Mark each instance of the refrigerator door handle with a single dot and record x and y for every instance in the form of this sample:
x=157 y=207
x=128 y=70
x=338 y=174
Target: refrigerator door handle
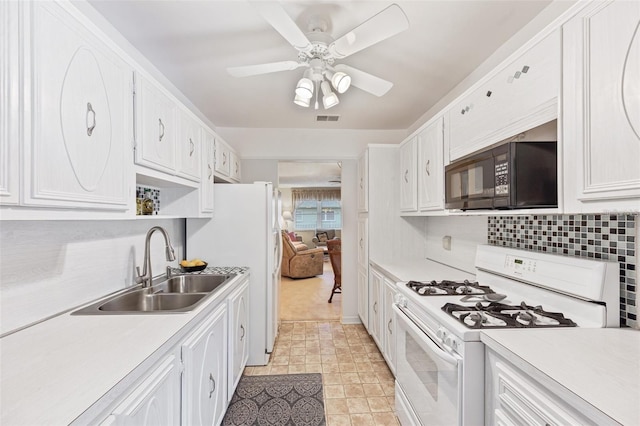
x=278 y=250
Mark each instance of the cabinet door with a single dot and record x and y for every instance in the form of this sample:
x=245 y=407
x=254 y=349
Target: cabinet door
x=234 y=164
x=363 y=245
x=363 y=297
x=9 y=103
x=363 y=182
x=204 y=387
x=389 y=326
x=431 y=167
x=81 y=109
x=155 y=402
x=602 y=108
x=408 y=178
x=222 y=164
x=375 y=307
x=238 y=339
x=156 y=130
x=206 y=181
x=188 y=147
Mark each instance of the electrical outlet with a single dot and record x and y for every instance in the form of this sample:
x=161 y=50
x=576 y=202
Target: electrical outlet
x=446 y=242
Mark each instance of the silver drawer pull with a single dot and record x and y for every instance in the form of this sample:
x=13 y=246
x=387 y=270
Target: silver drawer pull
x=406 y=176
x=242 y=329
x=93 y=118
x=212 y=384
x=161 y=128
x=191 y=147
x=427 y=168
x=389 y=327
x=210 y=170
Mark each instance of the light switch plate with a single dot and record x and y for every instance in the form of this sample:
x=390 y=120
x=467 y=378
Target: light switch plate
x=446 y=242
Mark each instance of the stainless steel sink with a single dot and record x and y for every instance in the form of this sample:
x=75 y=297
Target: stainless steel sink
x=180 y=293
x=192 y=283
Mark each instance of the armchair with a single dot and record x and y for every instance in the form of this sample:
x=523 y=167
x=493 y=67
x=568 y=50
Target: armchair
x=322 y=236
x=300 y=262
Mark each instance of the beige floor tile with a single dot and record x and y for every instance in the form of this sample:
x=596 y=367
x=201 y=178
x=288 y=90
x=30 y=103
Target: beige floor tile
x=298 y=344
x=373 y=389
x=362 y=420
x=364 y=367
x=350 y=378
x=342 y=350
x=297 y=359
x=385 y=419
x=378 y=404
x=313 y=368
x=279 y=360
x=313 y=359
x=279 y=369
x=388 y=387
x=330 y=368
x=332 y=379
x=368 y=377
x=334 y=391
x=330 y=359
x=297 y=337
x=358 y=349
x=361 y=357
x=353 y=391
x=336 y=406
x=358 y=405
x=338 y=420
x=298 y=351
x=347 y=367
x=262 y=370
x=327 y=350
x=297 y=369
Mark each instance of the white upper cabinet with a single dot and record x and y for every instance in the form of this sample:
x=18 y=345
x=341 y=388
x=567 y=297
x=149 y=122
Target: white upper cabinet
x=431 y=167
x=601 y=108
x=363 y=182
x=206 y=183
x=517 y=97
x=222 y=154
x=234 y=164
x=156 y=128
x=9 y=103
x=188 y=146
x=204 y=354
x=408 y=176
x=79 y=134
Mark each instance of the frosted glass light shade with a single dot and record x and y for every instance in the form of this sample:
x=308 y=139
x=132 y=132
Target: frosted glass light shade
x=303 y=102
x=304 y=88
x=329 y=99
x=340 y=81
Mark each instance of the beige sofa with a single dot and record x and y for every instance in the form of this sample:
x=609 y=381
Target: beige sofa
x=298 y=261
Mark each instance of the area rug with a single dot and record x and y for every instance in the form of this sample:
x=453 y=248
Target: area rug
x=284 y=399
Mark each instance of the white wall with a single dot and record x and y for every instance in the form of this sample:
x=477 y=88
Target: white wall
x=47 y=267
x=466 y=233
x=349 y=242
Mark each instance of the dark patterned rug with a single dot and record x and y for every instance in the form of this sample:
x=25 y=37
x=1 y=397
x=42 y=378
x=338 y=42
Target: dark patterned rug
x=286 y=399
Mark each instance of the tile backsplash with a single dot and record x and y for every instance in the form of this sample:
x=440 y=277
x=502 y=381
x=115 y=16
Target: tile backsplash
x=597 y=236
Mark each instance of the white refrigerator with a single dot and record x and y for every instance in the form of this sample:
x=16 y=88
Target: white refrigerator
x=245 y=231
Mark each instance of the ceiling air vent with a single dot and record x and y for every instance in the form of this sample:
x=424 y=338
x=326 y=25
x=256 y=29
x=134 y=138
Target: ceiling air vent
x=327 y=117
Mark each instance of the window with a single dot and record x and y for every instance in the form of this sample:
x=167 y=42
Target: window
x=313 y=214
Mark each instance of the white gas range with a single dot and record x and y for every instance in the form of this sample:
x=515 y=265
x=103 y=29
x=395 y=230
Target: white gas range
x=440 y=359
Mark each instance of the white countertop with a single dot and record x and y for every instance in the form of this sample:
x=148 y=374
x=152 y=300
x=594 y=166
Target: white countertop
x=421 y=270
x=54 y=371
x=601 y=366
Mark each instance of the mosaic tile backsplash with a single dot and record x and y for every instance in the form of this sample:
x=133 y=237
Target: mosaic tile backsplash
x=597 y=236
x=155 y=195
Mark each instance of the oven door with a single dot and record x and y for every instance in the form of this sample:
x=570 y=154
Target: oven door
x=429 y=376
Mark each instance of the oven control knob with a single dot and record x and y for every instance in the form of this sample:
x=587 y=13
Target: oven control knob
x=401 y=301
x=441 y=333
x=451 y=342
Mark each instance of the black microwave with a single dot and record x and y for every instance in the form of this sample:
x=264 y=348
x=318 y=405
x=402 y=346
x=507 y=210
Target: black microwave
x=515 y=175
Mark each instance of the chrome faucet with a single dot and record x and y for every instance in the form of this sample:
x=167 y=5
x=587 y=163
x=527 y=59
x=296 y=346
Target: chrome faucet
x=146 y=276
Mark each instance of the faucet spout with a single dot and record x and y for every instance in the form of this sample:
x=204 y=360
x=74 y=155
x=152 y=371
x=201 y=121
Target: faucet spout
x=146 y=276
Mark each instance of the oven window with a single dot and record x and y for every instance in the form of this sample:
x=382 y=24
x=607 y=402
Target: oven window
x=423 y=366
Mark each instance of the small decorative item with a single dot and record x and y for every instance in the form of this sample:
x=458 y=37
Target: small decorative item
x=147 y=203
x=138 y=206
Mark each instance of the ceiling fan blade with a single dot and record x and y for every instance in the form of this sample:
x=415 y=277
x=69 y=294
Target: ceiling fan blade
x=249 y=70
x=365 y=81
x=389 y=22
x=275 y=15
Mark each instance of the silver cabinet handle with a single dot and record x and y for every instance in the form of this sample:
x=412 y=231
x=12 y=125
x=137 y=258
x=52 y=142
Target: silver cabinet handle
x=224 y=158
x=242 y=329
x=361 y=243
x=161 y=129
x=212 y=385
x=427 y=168
x=93 y=119
x=191 y=147
x=210 y=170
x=406 y=176
x=237 y=167
x=361 y=185
x=389 y=326
x=375 y=307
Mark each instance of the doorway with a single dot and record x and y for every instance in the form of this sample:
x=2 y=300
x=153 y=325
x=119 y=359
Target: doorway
x=311 y=201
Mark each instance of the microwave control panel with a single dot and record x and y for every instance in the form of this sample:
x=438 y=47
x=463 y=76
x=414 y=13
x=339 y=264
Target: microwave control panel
x=502 y=178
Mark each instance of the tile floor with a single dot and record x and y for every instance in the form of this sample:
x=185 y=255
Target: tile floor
x=358 y=385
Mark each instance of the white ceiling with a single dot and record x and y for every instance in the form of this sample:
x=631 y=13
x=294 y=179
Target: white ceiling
x=292 y=174
x=193 y=42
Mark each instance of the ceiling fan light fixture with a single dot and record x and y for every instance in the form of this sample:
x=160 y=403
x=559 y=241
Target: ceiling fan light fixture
x=329 y=99
x=340 y=81
x=304 y=88
x=303 y=102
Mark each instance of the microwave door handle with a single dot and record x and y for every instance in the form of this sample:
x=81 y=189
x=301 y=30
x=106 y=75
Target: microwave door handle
x=437 y=350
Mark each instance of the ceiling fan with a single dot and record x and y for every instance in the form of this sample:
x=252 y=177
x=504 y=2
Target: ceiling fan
x=318 y=52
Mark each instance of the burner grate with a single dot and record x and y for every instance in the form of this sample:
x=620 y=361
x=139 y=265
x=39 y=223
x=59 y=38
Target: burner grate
x=448 y=288
x=499 y=315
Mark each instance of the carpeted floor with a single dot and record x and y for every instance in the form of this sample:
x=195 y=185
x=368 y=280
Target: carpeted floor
x=285 y=399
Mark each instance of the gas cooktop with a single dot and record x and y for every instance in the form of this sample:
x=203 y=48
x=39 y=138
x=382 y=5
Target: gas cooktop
x=448 y=288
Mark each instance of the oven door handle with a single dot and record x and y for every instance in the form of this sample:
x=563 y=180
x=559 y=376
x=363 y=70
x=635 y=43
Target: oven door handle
x=414 y=325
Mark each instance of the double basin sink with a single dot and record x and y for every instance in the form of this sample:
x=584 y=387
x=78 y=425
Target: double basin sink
x=180 y=293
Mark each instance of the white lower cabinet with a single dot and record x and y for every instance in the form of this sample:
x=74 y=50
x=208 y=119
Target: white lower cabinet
x=363 y=297
x=376 y=281
x=156 y=401
x=204 y=386
x=388 y=323
x=512 y=397
x=238 y=339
